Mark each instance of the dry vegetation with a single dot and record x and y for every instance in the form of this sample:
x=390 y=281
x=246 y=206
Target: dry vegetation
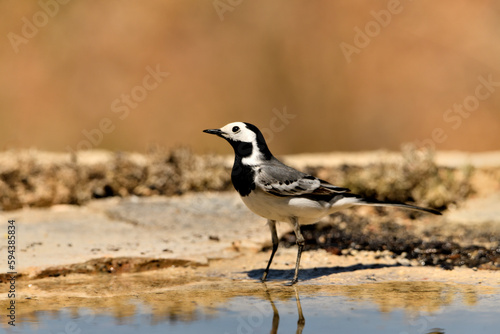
x=417 y=179
x=29 y=179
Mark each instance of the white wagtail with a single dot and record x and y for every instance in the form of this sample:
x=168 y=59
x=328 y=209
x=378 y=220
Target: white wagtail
x=278 y=192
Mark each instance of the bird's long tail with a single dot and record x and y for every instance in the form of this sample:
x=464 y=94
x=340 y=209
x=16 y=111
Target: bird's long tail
x=354 y=199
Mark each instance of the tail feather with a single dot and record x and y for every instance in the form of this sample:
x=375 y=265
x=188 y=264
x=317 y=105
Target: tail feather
x=372 y=202
x=401 y=205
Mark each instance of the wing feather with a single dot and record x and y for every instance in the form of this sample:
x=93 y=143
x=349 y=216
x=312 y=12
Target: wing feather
x=278 y=179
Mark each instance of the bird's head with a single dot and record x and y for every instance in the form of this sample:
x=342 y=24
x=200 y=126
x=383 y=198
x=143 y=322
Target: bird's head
x=245 y=138
x=236 y=132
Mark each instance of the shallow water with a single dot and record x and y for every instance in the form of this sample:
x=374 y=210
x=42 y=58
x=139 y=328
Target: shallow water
x=250 y=307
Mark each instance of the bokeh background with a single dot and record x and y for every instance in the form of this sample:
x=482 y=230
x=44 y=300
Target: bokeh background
x=63 y=65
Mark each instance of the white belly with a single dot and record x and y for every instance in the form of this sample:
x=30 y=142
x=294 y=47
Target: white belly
x=282 y=208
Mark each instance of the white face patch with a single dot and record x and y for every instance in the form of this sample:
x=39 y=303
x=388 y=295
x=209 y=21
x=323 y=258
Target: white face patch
x=238 y=131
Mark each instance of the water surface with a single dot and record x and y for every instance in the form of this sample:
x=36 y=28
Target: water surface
x=250 y=307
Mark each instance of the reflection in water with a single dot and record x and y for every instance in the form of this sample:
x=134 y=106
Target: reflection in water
x=127 y=297
x=276 y=317
x=301 y=322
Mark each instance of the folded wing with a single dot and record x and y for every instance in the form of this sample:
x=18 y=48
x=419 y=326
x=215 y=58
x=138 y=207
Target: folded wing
x=280 y=180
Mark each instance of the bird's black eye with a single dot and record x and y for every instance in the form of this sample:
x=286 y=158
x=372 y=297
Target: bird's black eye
x=236 y=128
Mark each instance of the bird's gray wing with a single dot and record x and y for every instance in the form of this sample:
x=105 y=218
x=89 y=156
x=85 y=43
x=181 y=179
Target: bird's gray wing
x=279 y=179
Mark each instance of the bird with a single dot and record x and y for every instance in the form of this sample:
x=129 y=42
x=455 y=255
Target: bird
x=280 y=193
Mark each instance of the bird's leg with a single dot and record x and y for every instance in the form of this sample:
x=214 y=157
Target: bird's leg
x=274 y=236
x=300 y=243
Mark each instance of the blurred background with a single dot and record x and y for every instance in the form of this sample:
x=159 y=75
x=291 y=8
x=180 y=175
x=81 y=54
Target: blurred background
x=316 y=76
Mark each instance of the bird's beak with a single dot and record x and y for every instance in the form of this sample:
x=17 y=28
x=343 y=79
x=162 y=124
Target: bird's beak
x=217 y=132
